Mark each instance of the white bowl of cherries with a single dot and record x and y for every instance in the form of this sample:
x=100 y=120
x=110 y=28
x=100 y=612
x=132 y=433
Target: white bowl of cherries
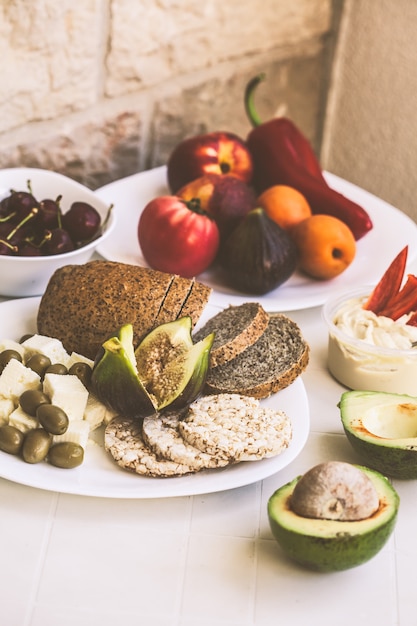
x=47 y=220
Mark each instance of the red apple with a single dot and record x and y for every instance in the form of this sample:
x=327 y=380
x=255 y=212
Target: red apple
x=227 y=198
x=211 y=153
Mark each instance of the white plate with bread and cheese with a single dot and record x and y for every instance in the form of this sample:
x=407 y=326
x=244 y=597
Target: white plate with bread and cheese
x=100 y=476
x=392 y=230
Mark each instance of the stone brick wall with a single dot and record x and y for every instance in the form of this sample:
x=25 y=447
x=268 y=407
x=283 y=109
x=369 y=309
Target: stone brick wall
x=101 y=89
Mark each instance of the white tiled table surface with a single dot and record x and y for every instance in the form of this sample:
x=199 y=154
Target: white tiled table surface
x=207 y=560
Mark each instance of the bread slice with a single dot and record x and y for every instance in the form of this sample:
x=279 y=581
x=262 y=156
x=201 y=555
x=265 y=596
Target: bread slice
x=84 y=304
x=236 y=328
x=195 y=302
x=173 y=302
x=272 y=363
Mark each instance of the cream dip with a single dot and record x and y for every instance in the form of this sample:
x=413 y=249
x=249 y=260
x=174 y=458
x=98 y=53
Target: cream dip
x=367 y=351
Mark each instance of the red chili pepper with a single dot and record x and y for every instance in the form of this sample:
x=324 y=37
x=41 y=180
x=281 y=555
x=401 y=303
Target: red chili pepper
x=404 y=302
x=283 y=156
x=412 y=321
x=389 y=285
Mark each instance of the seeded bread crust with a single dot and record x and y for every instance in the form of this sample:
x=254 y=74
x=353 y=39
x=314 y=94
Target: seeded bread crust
x=272 y=363
x=236 y=328
x=83 y=304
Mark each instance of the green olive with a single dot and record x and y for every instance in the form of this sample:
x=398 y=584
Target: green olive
x=83 y=371
x=31 y=399
x=8 y=355
x=52 y=418
x=57 y=368
x=11 y=439
x=38 y=363
x=36 y=445
x=66 y=455
x=25 y=337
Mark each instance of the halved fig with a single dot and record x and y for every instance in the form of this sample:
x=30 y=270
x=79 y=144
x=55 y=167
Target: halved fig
x=166 y=368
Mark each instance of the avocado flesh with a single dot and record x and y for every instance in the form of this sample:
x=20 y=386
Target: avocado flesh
x=382 y=429
x=331 y=545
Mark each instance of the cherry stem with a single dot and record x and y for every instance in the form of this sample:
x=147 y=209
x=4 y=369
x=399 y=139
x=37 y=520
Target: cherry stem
x=28 y=217
x=9 y=245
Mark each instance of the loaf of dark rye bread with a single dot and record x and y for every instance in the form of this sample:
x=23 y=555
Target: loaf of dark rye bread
x=272 y=363
x=84 y=304
x=235 y=329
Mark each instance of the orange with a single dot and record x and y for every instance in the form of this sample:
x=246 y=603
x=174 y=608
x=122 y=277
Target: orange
x=285 y=205
x=326 y=246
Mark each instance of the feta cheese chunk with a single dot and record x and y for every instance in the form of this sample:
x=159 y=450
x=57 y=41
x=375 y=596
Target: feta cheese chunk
x=77 y=432
x=96 y=413
x=17 y=378
x=10 y=344
x=22 y=421
x=7 y=406
x=50 y=347
x=68 y=393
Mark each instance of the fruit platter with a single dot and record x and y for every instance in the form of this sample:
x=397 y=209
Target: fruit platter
x=392 y=229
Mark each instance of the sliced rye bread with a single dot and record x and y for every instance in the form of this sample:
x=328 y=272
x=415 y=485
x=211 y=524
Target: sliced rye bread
x=236 y=329
x=84 y=304
x=272 y=363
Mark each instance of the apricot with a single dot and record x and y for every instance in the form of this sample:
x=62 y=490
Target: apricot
x=285 y=205
x=325 y=245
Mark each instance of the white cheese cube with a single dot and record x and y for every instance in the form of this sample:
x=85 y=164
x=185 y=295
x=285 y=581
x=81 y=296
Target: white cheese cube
x=74 y=357
x=50 y=347
x=96 y=413
x=77 y=432
x=22 y=421
x=10 y=344
x=7 y=406
x=16 y=378
x=67 y=392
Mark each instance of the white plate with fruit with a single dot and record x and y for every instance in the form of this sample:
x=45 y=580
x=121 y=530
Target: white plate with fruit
x=392 y=230
x=100 y=476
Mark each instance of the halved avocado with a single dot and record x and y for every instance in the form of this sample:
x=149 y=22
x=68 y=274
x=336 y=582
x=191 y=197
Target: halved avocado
x=166 y=369
x=331 y=545
x=382 y=428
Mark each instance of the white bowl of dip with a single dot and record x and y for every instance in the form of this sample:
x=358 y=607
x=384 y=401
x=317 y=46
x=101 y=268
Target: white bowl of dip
x=367 y=352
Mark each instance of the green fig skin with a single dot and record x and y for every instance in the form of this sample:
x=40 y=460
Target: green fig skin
x=329 y=545
x=115 y=380
x=195 y=385
x=258 y=256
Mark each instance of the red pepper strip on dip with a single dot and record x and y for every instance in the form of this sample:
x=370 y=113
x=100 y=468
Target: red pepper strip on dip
x=389 y=285
x=283 y=156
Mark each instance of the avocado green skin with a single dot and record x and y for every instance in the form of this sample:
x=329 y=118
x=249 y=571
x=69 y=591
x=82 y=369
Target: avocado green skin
x=338 y=551
x=391 y=457
x=394 y=462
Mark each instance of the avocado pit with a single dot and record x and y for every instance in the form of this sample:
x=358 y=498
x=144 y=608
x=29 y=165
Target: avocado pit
x=335 y=491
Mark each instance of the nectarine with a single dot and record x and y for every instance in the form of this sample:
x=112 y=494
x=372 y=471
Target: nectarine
x=226 y=198
x=325 y=245
x=211 y=153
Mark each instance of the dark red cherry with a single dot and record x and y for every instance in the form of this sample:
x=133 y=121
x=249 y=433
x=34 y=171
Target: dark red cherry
x=58 y=243
x=50 y=213
x=21 y=203
x=82 y=221
x=28 y=248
